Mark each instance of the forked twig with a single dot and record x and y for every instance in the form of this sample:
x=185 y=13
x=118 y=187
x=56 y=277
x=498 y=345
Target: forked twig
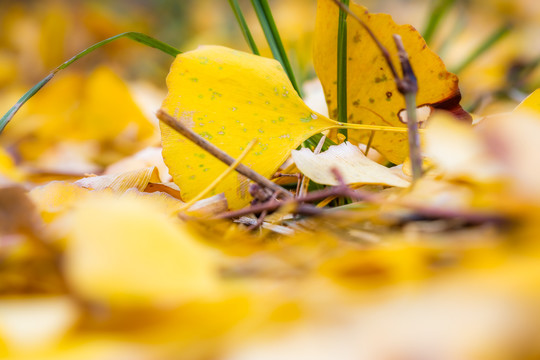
x=220 y=155
x=300 y=204
x=407 y=86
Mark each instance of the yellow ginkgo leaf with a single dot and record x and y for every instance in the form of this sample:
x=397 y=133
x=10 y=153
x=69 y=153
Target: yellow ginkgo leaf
x=135 y=179
x=459 y=151
x=229 y=98
x=97 y=110
x=127 y=251
x=35 y=323
x=350 y=161
x=8 y=170
x=372 y=96
x=530 y=104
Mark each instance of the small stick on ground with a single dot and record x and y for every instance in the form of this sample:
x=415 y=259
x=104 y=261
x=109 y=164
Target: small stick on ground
x=301 y=206
x=220 y=155
x=298 y=177
x=408 y=87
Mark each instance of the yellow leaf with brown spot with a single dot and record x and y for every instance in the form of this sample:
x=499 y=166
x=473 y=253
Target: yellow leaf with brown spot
x=229 y=98
x=372 y=96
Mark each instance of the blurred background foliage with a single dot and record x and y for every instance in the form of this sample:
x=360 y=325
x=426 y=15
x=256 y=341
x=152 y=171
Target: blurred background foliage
x=36 y=36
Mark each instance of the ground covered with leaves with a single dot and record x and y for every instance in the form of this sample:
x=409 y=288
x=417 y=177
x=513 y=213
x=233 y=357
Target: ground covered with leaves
x=242 y=223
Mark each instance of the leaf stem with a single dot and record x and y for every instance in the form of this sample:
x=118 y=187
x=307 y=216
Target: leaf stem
x=135 y=36
x=367 y=127
x=262 y=9
x=243 y=26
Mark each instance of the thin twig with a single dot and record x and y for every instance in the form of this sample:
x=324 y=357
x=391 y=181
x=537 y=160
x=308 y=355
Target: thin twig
x=370 y=141
x=220 y=178
x=299 y=202
x=408 y=87
x=219 y=154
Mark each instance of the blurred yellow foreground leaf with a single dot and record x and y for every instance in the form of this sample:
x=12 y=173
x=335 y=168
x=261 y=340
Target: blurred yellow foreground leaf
x=126 y=251
x=98 y=110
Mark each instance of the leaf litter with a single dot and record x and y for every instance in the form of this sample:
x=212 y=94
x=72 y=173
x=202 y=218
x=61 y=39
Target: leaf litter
x=113 y=265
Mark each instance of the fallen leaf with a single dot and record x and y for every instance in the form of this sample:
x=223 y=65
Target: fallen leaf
x=8 y=170
x=32 y=324
x=512 y=141
x=127 y=251
x=229 y=98
x=150 y=156
x=372 y=95
x=459 y=151
x=119 y=183
x=55 y=198
x=97 y=109
x=530 y=104
x=351 y=163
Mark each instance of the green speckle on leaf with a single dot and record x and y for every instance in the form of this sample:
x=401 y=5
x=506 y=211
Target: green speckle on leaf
x=207 y=135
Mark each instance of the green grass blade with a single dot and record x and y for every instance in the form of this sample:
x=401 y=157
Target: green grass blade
x=485 y=46
x=342 y=68
x=457 y=29
x=438 y=11
x=243 y=26
x=313 y=141
x=262 y=9
x=138 y=37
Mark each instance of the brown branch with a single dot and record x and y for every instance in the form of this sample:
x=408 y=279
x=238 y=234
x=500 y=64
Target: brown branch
x=219 y=154
x=408 y=87
x=300 y=206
